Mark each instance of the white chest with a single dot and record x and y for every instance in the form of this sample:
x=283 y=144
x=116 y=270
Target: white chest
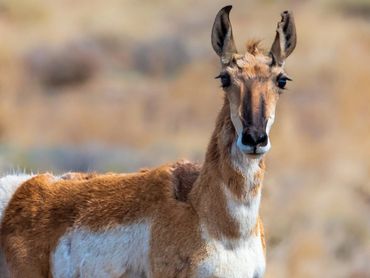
x=247 y=260
x=244 y=258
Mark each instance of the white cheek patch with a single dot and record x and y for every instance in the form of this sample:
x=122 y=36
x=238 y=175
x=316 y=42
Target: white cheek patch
x=269 y=124
x=235 y=119
x=237 y=124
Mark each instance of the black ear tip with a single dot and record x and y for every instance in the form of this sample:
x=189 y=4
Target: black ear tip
x=227 y=9
x=285 y=13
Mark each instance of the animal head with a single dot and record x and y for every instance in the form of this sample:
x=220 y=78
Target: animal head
x=253 y=81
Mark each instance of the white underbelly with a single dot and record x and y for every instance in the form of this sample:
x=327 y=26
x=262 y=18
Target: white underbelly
x=244 y=260
x=121 y=251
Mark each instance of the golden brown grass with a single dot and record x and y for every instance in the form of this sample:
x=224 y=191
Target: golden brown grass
x=317 y=190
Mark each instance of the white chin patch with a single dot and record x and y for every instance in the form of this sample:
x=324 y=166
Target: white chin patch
x=252 y=150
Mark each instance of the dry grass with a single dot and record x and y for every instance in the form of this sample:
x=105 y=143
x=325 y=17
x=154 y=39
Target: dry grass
x=317 y=191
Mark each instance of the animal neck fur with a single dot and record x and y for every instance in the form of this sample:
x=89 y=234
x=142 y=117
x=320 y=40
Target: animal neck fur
x=227 y=193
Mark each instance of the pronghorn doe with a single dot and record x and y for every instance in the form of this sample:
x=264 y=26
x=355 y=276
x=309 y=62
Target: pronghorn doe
x=172 y=221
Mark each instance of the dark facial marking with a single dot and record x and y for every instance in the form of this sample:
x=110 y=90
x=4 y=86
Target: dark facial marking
x=253 y=115
x=247 y=110
x=262 y=110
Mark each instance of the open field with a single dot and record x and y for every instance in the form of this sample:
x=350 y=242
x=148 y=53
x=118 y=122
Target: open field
x=118 y=85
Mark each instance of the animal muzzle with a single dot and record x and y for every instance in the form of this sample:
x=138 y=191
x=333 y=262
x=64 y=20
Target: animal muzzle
x=253 y=141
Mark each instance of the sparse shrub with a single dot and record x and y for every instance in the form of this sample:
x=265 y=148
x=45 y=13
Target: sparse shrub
x=70 y=64
x=358 y=8
x=164 y=56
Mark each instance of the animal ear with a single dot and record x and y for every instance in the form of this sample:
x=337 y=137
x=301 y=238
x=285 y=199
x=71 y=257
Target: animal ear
x=222 y=34
x=285 y=39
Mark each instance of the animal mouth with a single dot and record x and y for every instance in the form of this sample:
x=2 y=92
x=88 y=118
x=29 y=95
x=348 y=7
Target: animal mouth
x=255 y=153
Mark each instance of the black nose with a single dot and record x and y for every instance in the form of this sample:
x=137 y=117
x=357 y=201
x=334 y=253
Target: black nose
x=254 y=138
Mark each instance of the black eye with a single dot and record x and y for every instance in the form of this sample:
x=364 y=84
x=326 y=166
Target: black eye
x=225 y=79
x=281 y=81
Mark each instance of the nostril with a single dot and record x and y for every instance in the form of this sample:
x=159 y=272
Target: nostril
x=248 y=139
x=254 y=138
x=262 y=139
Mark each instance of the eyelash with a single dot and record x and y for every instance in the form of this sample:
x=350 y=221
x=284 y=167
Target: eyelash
x=281 y=81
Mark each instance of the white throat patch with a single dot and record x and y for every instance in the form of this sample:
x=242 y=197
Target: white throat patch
x=247 y=167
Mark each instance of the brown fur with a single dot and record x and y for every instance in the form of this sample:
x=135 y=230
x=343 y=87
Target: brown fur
x=78 y=176
x=42 y=209
x=185 y=174
x=216 y=173
x=254 y=47
x=176 y=198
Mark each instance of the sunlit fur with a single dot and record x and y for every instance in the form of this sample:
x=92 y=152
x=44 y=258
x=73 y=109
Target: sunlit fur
x=176 y=220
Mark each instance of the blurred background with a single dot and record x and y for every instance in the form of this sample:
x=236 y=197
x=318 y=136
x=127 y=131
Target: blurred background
x=117 y=85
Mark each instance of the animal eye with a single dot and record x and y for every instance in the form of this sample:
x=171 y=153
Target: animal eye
x=225 y=79
x=281 y=81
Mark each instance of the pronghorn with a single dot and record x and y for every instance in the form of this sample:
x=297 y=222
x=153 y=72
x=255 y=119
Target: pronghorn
x=176 y=220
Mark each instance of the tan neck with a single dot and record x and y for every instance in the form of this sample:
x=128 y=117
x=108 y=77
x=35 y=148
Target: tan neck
x=228 y=181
